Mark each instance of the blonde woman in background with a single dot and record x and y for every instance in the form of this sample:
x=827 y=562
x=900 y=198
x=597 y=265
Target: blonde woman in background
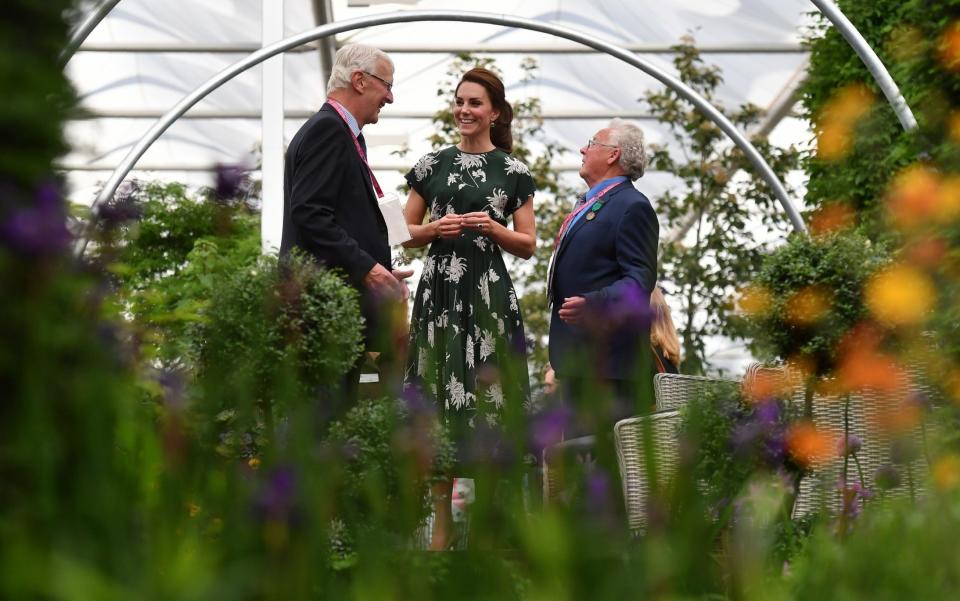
x=663 y=335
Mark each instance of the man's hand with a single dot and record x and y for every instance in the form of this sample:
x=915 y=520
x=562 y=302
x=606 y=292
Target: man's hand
x=383 y=284
x=573 y=310
x=400 y=275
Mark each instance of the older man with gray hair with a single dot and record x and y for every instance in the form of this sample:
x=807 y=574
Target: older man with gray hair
x=603 y=270
x=330 y=207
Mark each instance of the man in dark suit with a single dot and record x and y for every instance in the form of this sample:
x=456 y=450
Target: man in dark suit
x=603 y=270
x=330 y=195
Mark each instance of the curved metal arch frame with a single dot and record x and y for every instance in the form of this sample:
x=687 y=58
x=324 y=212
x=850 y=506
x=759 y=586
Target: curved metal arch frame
x=267 y=52
x=871 y=61
x=85 y=28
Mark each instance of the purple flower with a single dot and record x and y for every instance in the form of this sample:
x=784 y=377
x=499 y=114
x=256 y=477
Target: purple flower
x=767 y=412
x=599 y=497
x=276 y=499
x=547 y=428
x=38 y=230
x=853 y=495
x=629 y=305
x=122 y=207
x=886 y=477
x=415 y=402
x=230 y=180
x=850 y=445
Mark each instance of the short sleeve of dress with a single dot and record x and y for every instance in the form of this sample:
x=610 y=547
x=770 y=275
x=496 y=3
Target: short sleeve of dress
x=525 y=189
x=417 y=177
x=524 y=186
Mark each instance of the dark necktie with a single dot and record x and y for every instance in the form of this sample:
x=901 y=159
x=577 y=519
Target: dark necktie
x=363 y=144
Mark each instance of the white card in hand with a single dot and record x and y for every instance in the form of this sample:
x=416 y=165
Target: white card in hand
x=397 y=230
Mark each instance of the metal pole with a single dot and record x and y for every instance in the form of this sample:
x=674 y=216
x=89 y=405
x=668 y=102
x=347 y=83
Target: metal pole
x=871 y=61
x=86 y=27
x=458 y=16
x=271 y=128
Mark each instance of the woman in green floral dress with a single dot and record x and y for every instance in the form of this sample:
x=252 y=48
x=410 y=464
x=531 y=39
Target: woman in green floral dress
x=467 y=345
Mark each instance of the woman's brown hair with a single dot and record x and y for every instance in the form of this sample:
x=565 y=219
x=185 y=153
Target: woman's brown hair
x=500 y=134
x=663 y=334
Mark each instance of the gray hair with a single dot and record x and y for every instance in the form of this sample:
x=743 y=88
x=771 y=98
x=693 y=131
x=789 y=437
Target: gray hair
x=354 y=57
x=633 y=151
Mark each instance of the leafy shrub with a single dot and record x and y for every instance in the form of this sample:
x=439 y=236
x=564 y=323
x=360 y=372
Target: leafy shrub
x=275 y=334
x=810 y=294
x=390 y=454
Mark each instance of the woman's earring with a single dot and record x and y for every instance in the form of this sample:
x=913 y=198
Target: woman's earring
x=492 y=123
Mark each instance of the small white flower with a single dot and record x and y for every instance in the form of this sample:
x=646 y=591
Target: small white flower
x=493 y=276
x=456 y=269
x=459 y=306
x=452 y=179
x=487 y=345
x=425 y=166
x=470 y=351
x=466 y=162
x=479 y=174
x=430 y=333
x=481 y=242
x=516 y=166
x=500 y=326
x=422 y=358
x=495 y=395
x=513 y=302
x=435 y=210
x=428 y=267
x=461 y=186
x=442 y=319
x=456 y=392
x=485 y=289
x=497 y=202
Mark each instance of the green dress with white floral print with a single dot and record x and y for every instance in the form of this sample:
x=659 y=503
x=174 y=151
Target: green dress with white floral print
x=467 y=344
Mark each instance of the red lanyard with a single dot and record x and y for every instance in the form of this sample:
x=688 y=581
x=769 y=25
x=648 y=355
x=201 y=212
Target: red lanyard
x=583 y=207
x=363 y=157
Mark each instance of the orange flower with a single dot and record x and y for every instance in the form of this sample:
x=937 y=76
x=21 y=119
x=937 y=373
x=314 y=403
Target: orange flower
x=900 y=295
x=868 y=370
x=767 y=383
x=914 y=197
x=838 y=118
x=808 y=305
x=809 y=446
x=948 y=47
x=832 y=218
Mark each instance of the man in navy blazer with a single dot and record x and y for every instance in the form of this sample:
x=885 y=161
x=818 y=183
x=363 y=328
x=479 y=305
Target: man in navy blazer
x=330 y=193
x=601 y=275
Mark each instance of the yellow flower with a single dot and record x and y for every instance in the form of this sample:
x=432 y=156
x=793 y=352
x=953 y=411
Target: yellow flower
x=900 y=295
x=914 y=197
x=946 y=472
x=254 y=462
x=809 y=305
x=838 y=118
x=754 y=300
x=193 y=509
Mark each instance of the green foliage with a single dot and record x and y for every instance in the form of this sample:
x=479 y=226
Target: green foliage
x=170 y=263
x=905 y=36
x=37 y=97
x=274 y=334
x=390 y=455
x=709 y=244
x=815 y=288
x=913 y=543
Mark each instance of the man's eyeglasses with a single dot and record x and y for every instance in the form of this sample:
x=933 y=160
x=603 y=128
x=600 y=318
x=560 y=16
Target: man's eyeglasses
x=591 y=143
x=386 y=83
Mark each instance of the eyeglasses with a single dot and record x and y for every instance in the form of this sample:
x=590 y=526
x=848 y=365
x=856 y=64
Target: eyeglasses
x=591 y=142
x=389 y=85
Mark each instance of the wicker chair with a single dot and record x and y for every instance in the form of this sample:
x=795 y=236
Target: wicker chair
x=673 y=391
x=629 y=439
x=867 y=411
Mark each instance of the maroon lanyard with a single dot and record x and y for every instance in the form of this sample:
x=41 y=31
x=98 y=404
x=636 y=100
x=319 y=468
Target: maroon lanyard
x=363 y=157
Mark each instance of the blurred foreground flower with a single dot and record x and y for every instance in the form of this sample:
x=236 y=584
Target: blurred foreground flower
x=900 y=295
x=948 y=47
x=913 y=197
x=836 y=122
x=887 y=477
x=754 y=300
x=38 y=230
x=946 y=472
x=808 y=306
x=809 y=446
x=832 y=218
x=230 y=180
